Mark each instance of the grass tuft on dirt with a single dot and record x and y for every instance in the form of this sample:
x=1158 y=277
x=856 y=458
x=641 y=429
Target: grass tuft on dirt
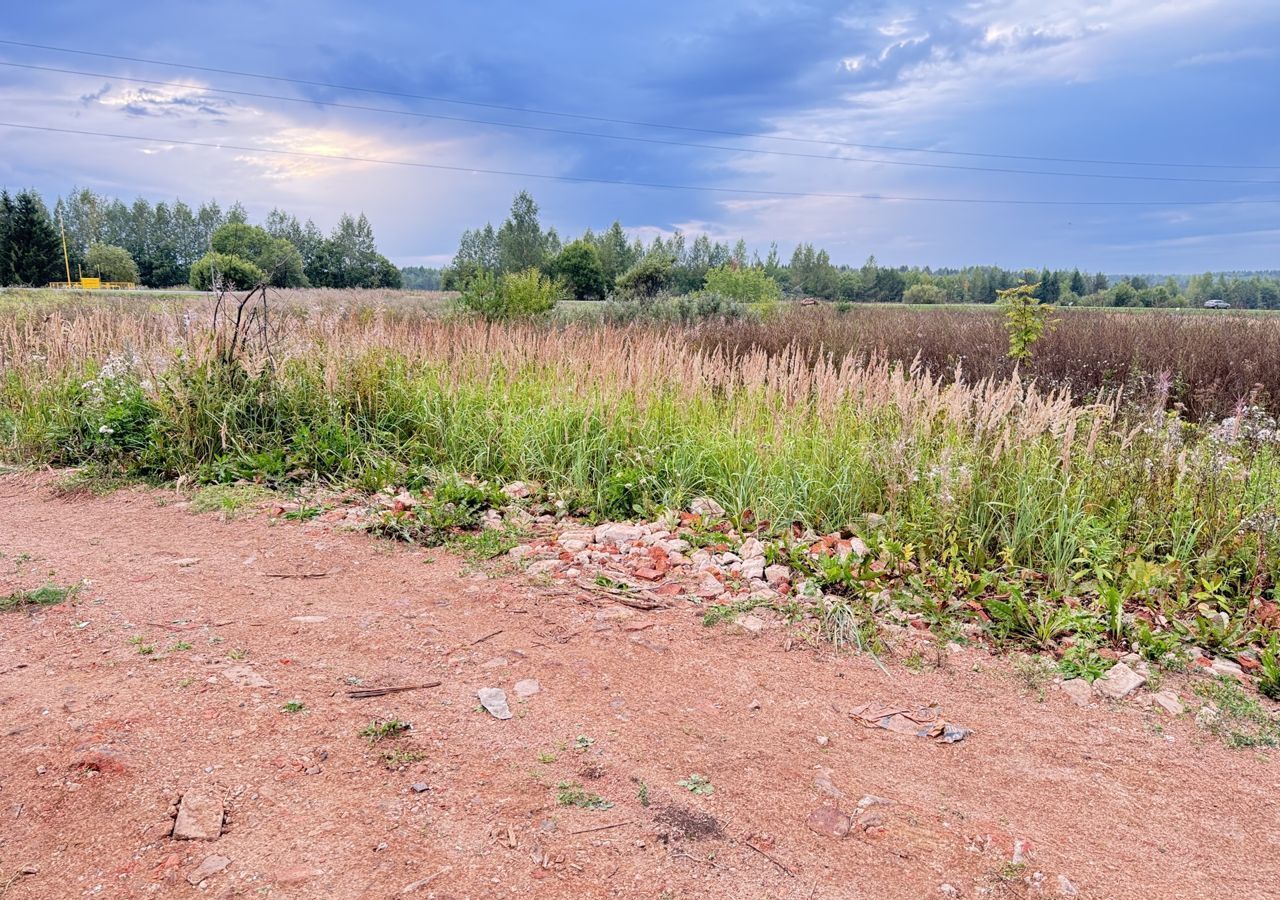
x=45 y=595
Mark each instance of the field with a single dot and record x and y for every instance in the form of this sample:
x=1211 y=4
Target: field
x=882 y=481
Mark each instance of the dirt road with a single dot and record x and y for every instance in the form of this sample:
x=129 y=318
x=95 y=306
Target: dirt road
x=173 y=670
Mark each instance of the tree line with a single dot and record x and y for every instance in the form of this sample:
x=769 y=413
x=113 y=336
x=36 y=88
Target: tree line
x=609 y=264
x=164 y=245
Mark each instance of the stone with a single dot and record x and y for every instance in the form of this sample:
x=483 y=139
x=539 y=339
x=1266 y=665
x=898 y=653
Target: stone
x=947 y=890
x=823 y=740
x=753 y=569
x=710 y=587
x=776 y=575
x=676 y=545
x=1226 y=667
x=705 y=506
x=200 y=815
x=498 y=662
x=751 y=549
x=618 y=534
x=1119 y=682
x=1207 y=716
x=491 y=519
x=245 y=676
x=573 y=545
x=295 y=875
x=1066 y=888
x=495 y=701
x=748 y=624
x=187 y=562
x=419 y=787
x=543 y=567
x=517 y=490
x=309 y=620
x=586 y=536
x=1079 y=690
x=1169 y=702
x=871 y=800
x=527 y=687
x=210 y=866
x=829 y=821
x=823 y=782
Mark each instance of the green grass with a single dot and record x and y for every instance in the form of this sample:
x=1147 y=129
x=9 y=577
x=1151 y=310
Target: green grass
x=380 y=730
x=1242 y=721
x=1035 y=518
x=231 y=500
x=569 y=793
x=45 y=595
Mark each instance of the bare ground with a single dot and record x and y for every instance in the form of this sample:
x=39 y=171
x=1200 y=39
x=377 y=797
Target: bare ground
x=97 y=737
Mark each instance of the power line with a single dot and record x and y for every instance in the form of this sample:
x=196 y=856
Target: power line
x=631 y=122
x=644 y=140
x=575 y=179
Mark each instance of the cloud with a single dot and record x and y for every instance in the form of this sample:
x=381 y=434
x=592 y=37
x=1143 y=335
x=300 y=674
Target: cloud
x=1222 y=57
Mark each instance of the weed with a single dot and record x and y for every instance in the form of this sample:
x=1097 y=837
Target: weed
x=1269 y=676
x=915 y=661
x=238 y=654
x=724 y=612
x=546 y=757
x=1082 y=661
x=397 y=759
x=294 y=706
x=380 y=730
x=1241 y=721
x=582 y=743
x=569 y=793
x=697 y=784
x=1034 y=671
x=231 y=500
x=642 y=794
x=180 y=645
x=487 y=543
x=139 y=642
x=46 y=595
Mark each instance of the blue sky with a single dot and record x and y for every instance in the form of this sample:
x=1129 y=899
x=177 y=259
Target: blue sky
x=1173 y=81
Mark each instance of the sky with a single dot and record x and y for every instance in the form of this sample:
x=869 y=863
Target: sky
x=935 y=94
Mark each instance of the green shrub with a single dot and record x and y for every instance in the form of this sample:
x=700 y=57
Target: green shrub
x=743 y=284
x=924 y=293
x=515 y=295
x=234 y=273
x=578 y=266
x=111 y=263
x=647 y=278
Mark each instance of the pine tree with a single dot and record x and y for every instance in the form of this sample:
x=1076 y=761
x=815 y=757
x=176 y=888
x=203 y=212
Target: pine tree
x=35 y=251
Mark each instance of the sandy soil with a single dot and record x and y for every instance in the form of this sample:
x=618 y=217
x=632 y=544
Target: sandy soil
x=98 y=738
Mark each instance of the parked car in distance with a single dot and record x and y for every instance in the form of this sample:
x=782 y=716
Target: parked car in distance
x=1216 y=304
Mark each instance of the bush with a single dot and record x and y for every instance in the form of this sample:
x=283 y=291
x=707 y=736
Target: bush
x=111 y=263
x=276 y=257
x=647 y=278
x=234 y=273
x=579 y=267
x=515 y=295
x=745 y=285
x=924 y=294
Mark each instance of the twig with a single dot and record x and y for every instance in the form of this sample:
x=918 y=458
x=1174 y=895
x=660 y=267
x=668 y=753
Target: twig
x=784 y=868
x=638 y=599
x=296 y=574
x=483 y=638
x=602 y=827
x=366 y=693
x=410 y=888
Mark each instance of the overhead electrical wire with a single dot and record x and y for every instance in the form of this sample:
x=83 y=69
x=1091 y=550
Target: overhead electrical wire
x=759 y=192
x=630 y=122
x=636 y=139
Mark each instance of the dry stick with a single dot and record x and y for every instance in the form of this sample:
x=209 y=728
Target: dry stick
x=602 y=827
x=366 y=693
x=483 y=638
x=784 y=868
x=296 y=574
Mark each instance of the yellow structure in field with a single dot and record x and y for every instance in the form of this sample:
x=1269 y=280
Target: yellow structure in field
x=94 y=284
x=85 y=284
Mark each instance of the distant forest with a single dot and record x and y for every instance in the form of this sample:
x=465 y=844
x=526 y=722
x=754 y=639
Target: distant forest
x=163 y=245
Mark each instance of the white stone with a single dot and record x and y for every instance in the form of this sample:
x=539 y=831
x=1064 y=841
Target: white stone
x=775 y=575
x=751 y=549
x=495 y=701
x=1078 y=690
x=543 y=567
x=527 y=687
x=1169 y=702
x=747 y=624
x=705 y=506
x=612 y=533
x=1119 y=682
